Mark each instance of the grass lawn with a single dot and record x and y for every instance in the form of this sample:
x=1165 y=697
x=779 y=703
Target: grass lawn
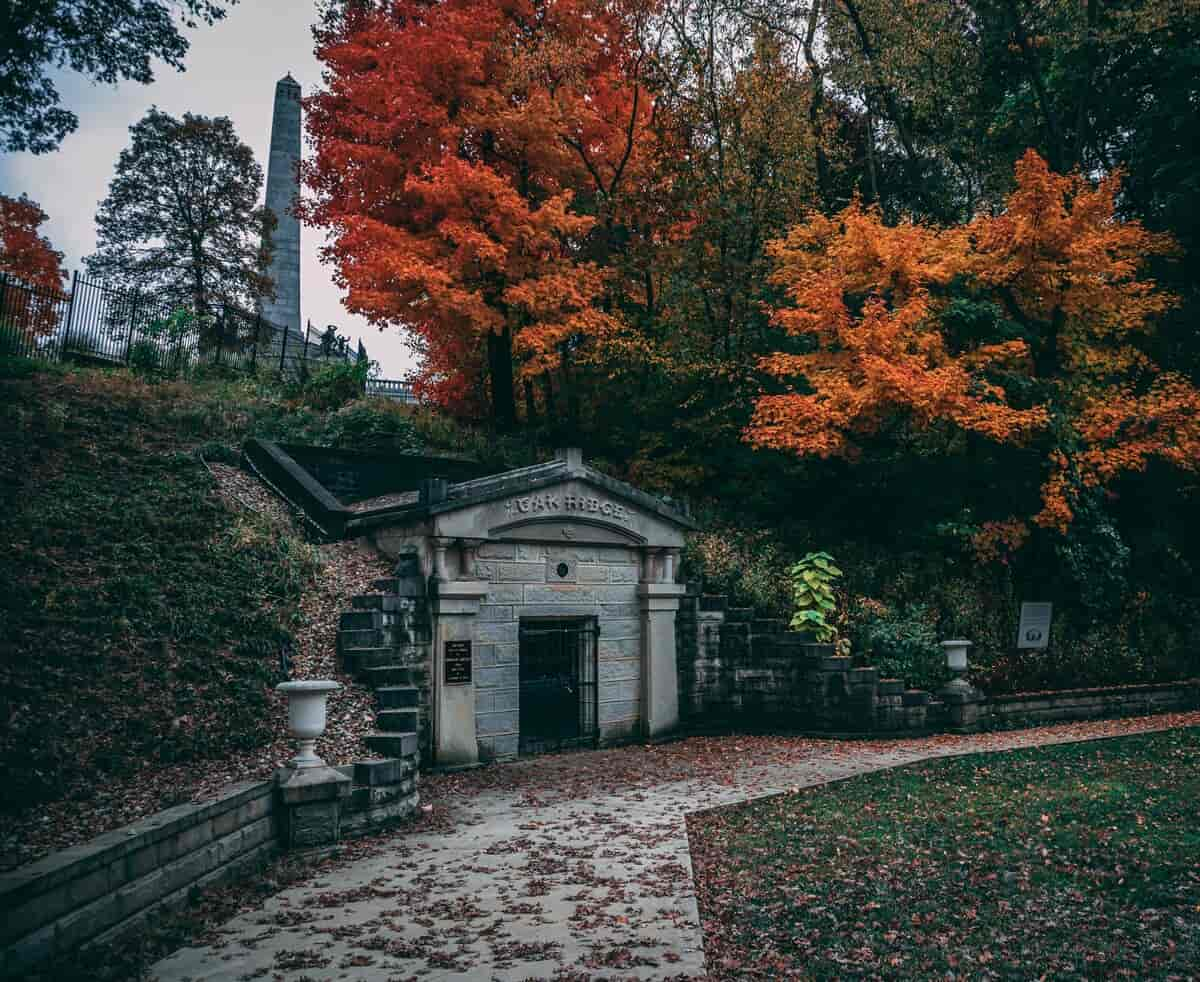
x=1076 y=861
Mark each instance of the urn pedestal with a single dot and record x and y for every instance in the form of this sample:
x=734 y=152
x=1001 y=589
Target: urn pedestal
x=310 y=793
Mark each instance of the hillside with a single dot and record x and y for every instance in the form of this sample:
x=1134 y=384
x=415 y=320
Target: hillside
x=149 y=593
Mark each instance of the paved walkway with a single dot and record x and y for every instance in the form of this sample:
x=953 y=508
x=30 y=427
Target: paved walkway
x=598 y=886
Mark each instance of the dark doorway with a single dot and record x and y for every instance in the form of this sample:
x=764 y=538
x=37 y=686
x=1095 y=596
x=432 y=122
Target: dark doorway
x=558 y=704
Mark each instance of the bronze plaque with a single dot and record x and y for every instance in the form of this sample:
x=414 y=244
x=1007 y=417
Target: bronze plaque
x=458 y=662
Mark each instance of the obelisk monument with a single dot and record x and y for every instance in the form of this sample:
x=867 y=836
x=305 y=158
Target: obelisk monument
x=283 y=188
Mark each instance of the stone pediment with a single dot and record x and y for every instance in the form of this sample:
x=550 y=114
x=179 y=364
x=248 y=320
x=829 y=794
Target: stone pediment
x=562 y=502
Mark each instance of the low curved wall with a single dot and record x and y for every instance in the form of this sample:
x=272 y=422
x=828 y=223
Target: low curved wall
x=95 y=891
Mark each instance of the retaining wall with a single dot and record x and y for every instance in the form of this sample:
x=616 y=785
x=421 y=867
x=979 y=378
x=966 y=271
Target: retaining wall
x=1036 y=708
x=95 y=892
x=739 y=671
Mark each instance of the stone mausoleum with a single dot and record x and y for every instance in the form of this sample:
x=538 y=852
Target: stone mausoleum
x=551 y=598
x=532 y=610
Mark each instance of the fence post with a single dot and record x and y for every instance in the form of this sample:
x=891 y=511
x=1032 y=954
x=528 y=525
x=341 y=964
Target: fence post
x=70 y=312
x=132 y=319
x=254 y=348
x=304 y=354
x=282 y=348
x=220 y=334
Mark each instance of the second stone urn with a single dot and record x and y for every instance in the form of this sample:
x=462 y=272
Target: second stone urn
x=306 y=717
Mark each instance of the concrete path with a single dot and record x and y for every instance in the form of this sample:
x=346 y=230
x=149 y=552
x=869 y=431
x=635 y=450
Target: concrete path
x=597 y=886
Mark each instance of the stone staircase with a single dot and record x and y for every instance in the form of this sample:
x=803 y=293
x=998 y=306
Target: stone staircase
x=385 y=642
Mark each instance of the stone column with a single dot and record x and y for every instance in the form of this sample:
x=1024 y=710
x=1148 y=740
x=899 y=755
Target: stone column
x=454 y=740
x=658 y=602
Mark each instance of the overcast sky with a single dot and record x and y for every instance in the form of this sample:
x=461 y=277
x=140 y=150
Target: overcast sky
x=232 y=69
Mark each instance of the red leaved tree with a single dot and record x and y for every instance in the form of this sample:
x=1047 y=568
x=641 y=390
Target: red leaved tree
x=471 y=158
x=26 y=256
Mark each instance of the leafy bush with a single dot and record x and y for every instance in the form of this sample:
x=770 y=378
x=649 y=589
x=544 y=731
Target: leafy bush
x=143 y=358
x=745 y=565
x=902 y=643
x=333 y=384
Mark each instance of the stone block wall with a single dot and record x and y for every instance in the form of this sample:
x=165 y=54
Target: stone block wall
x=1037 y=708
x=94 y=892
x=525 y=581
x=739 y=670
x=384 y=792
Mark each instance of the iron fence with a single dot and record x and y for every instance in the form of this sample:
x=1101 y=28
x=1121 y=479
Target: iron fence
x=97 y=323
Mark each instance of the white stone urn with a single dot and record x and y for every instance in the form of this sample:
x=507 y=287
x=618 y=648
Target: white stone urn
x=956 y=657
x=306 y=716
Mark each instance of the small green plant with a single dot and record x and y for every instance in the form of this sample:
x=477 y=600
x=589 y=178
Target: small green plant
x=812 y=593
x=334 y=384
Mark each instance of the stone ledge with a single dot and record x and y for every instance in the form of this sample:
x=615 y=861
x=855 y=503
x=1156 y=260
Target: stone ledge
x=105 y=850
x=68 y=912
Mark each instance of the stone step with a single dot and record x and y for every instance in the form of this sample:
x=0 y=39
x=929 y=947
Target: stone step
x=398 y=696
x=398 y=720
x=357 y=660
x=409 y=586
x=392 y=744
x=365 y=620
x=390 y=674
x=388 y=602
x=378 y=637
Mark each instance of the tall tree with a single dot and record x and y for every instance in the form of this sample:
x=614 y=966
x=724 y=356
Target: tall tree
x=181 y=219
x=106 y=40
x=1055 y=349
x=27 y=255
x=471 y=161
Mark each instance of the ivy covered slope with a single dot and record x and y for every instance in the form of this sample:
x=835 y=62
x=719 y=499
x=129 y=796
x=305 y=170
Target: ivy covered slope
x=140 y=620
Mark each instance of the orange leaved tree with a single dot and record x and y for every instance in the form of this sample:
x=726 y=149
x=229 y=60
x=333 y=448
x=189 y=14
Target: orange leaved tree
x=471 y=157
x=26 y=255
x=1065 y=367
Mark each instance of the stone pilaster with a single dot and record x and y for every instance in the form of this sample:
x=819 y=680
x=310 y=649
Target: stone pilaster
x=658 y=603
x=455 y=742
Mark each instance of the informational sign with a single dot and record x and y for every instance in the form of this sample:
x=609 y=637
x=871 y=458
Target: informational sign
x=1034 y=631
x=458 y=662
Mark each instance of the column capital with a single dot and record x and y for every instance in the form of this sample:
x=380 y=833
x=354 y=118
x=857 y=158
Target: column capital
x=460 y=596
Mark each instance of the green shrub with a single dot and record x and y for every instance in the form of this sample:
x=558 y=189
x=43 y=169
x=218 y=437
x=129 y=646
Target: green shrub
x=144 y=358
x=743 y=564
x=902 y=644
x=333 y=384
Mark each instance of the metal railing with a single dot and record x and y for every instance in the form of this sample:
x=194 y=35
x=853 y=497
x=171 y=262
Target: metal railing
x=390 y=388
x=95 y=322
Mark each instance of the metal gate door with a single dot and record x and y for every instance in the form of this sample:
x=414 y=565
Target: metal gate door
x=558 y=694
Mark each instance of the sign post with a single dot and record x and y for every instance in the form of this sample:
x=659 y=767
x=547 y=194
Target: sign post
x=1034 y=630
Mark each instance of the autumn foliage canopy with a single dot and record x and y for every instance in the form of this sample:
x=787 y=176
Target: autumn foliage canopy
x=470 y=157
x=1066 y=273
x=27 y=256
